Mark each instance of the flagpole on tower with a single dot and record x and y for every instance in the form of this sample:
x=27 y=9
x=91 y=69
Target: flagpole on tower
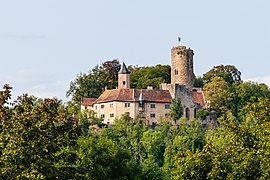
x=179 y=40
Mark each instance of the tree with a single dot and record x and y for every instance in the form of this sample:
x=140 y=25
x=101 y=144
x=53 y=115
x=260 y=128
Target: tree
x=92 y=84
x=202 y=114
x=249 y=92
x=89 y=122
x=30 y=135
x=228 y=73
x=87 y=85
x=218 y=94
x=141 y=77
x=111 y=69
x=239 y=150
x=187 y=137
x=176 y=110
x=95 y=158
x=199 y=82
x=144 y=144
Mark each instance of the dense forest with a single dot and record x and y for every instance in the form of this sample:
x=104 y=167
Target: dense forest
x=48 y=139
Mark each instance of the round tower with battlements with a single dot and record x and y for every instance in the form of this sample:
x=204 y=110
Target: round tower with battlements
x=182 y=66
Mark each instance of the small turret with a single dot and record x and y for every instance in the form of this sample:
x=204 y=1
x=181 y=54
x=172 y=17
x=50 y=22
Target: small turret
x=123 y=77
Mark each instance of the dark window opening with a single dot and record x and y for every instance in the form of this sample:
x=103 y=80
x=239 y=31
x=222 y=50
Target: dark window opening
x=127 y=105
x=187 y=113
x=167 y=106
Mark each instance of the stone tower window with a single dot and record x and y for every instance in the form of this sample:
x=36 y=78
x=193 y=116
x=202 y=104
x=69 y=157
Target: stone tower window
x=124 y=82
x=187 y=113
x=176 y=72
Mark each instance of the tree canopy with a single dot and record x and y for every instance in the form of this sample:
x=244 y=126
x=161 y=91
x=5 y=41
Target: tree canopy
x=41 y=139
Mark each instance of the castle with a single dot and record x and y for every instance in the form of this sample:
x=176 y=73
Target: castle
x=151 y=104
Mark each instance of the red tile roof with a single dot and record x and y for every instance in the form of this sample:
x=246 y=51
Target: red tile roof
x=150 y=95
x=88 y=101
x=198 y=97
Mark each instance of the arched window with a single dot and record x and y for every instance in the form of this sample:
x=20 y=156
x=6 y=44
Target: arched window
x=176 y=72
x=187 y=113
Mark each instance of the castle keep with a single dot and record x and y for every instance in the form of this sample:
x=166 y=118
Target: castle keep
x=182 y=80
x=151 y=104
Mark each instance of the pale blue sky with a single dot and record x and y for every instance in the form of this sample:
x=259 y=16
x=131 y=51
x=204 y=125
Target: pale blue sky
x=44 y=44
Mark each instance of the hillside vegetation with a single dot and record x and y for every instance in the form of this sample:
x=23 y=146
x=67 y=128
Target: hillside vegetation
x=42 y=139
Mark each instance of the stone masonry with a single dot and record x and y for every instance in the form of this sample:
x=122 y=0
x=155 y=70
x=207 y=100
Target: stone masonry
x=182 y=80
x=182 y=66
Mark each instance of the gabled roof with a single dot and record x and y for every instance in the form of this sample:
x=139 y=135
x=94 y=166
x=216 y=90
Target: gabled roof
x=88 y=101
x=150 y=95
x=124 y=69
x=198 y=97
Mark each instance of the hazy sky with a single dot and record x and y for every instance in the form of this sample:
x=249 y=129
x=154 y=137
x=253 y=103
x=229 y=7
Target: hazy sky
x=44 y=44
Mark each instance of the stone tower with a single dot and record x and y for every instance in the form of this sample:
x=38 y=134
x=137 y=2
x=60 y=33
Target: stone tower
x=182 y=66
x=123 y=77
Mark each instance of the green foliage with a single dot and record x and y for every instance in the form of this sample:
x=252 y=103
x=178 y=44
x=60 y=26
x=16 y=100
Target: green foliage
x=249 y=92
x=110 y=70
x=141 y=77
x=218 y=94
x=199 y=82
x=202 y=114
x=89 y=122
x=238 y=150
x=31 y=133
x=92 y=84
x=228 y=73
x=187 y=137
x=176 y=110
x=38 y=140
x=95 y=158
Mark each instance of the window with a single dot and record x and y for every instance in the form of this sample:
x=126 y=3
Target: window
x=102 y=115
x=152 y=115
x=154 y=123
x=96 y=107
x=102 y=106
x=124 y=82
x=167 y=106
x=187 y=113
x=111 y=105
x=111 y=115
x=85 y=107
x=127 y=105
x=166 y=115
x=176 y=72
x=153 y=105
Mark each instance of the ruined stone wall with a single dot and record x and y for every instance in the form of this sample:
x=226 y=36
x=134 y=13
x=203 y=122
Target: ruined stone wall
x=185 y=95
